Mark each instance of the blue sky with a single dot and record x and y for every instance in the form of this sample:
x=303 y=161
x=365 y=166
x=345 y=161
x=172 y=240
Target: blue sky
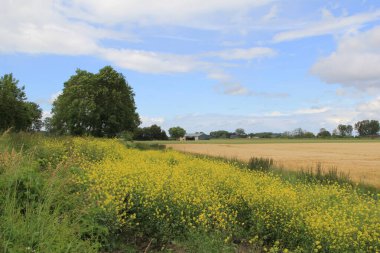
x=261 y=65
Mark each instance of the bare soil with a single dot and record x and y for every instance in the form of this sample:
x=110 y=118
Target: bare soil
x=360 y=160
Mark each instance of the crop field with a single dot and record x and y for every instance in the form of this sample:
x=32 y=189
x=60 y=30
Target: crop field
x=361 y=160
x=81 y=194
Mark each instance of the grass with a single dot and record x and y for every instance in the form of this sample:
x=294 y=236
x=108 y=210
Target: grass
x=93 y=195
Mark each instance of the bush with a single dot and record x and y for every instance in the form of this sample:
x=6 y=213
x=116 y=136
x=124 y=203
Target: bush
x=260 y=164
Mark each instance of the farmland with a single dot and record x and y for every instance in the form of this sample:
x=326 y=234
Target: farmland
x=101 y=196
x=360 y=159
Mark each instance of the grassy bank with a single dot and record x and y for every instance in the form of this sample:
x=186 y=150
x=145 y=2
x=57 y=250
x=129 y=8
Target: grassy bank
x=94 y=195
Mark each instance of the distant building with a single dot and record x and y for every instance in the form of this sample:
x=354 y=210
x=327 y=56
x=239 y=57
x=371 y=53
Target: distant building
x=195 y=137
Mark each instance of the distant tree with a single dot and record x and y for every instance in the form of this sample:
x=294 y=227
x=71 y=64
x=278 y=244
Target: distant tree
x=323 y=133
x=308 y=135
x=100 y=104
x=177 y=132
x=287 y=134
x=298 y=133
x=240 y=132
x=153 y=132
x=344 y=130
x=367 y=127
x=15 y=111
x=220 y=134
x=47 y=124
x=265 y=135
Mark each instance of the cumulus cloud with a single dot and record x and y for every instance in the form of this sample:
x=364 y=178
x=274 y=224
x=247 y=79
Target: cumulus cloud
x=151 y=62
x=148 y=121
x=311 y=119
x=355 y=63
x=328 y=25
x=77 y=27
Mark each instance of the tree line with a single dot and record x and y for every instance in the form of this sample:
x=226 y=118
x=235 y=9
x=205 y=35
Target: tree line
x=102 y=105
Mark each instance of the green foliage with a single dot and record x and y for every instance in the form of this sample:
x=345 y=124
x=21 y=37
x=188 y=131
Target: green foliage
x=240 y=132
x=153 y=132
x=220 y=134
x=41 y=209
x=100 y=104
x=177 y=132
x=260 y=164
x=367 y=127
x=300 y=133
x=323 y=133
x=344 y=130
x=15 y=111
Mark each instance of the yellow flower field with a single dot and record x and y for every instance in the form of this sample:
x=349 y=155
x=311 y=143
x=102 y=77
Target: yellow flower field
x=163 y=194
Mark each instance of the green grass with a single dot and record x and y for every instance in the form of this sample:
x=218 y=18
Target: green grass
x=267 y=141
x=41 y=210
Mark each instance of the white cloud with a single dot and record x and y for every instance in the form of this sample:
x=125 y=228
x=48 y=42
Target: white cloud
x=148 y=121
x=272 y=14
x=355 y=63
x=244 y=53
x=46 y=114
x=151 y=62
x=54 y=97
x=328 y=25
x=312 y=110
x=311 y=119
x=211 y=14
x=370 y=109
x=229 y=86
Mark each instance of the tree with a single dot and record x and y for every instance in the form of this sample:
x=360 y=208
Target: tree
x=323 y=133
x=15 y=111
x=240 y=132
x=100 y=104
x=177 y=132
x=344 y=130
x=367 y=127
x=222 y=134
x=153 y=132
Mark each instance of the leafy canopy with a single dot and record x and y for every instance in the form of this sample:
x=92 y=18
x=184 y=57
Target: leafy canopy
x=367 y=127
x=177 y=132
x=100 y=104
x=15 y=111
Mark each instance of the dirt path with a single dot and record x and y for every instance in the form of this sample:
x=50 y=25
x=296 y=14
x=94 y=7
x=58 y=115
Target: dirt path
x=360 y=160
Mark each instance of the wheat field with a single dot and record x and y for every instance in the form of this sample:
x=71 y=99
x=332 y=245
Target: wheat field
x=360 y=160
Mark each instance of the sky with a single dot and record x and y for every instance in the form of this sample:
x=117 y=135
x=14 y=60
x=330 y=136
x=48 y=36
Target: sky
x=260 y=65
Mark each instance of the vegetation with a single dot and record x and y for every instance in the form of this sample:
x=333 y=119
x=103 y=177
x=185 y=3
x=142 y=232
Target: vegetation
x=344 y=130
x=100 y=104
x=323 y=133
x=97 y=195
x=367 y=127
x=153 y=132
x=177 y=132
x=15 y=111
x=220 y=134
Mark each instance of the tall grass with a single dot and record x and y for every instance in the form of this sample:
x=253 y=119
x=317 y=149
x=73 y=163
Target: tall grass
x=40 y=210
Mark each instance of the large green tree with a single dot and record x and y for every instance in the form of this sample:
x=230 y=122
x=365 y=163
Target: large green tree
x=100 y=104
x=177 y=132
x=153 y=132
x=367 y=127
x=345 y=130
x=15 y=111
